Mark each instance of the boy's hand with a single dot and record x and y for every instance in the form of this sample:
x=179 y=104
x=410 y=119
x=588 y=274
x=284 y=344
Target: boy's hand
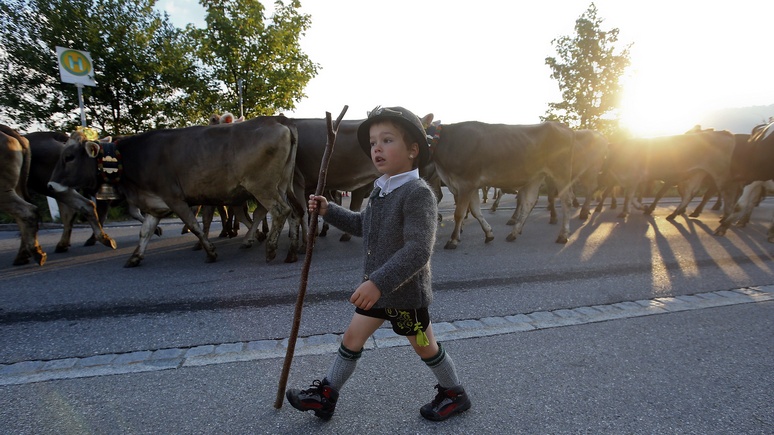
x=366 y=295
x=313 y=204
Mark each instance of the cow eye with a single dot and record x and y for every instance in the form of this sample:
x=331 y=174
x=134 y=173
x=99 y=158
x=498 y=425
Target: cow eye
x=69 y=158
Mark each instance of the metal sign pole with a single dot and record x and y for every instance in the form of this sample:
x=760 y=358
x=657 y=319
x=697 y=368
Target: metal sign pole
x=241 y=111
x=80 y=103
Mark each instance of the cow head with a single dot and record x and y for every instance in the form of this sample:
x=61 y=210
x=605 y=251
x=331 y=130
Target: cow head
x=225 y=118
x=77 y=166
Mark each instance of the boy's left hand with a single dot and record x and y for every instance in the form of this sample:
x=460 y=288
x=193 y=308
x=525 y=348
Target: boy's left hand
x=366 y=295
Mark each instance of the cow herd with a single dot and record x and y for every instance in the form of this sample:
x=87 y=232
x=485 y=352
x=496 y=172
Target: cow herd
x=274 y=161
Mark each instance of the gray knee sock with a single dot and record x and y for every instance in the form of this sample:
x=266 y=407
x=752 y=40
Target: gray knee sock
x=442 y=367
x=343 y=366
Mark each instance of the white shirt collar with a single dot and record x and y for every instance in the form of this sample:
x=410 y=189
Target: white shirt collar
x=387 y=184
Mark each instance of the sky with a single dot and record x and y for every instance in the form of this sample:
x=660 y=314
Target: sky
x=484 y=60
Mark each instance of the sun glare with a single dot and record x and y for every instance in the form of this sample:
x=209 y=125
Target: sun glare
x=652 y=108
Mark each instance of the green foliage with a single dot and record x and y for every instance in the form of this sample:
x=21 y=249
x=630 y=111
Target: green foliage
x=239 y=42
x=588 y=71
x=149 y=74
x=141 y=63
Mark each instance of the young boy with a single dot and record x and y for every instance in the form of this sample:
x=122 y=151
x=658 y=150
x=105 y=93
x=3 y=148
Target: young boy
x=398 y=228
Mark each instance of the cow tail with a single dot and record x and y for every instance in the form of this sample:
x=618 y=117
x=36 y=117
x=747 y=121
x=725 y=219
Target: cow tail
x=26 y=161
x=295 y=205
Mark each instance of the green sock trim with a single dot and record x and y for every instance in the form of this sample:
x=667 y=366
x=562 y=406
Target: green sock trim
x=348 y=354
x=437 y=359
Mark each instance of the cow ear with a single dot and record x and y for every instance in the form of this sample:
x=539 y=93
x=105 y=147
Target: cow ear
x=92 y=149
x=427 y=119
x=106 y=139
x=214 y=119
x=226 y=118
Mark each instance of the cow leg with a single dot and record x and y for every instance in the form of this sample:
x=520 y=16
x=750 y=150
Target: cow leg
x=26 y=218
x=660 y=194
x=280 y=213
x=137 y=215
x=528 y=196
x=461 y=204
x=687 y=190
x=237 y=214
x=496 y=196
x=603 y=197
x=101 y=211
x=711 y=191
x=259 y=215
x=264 y=229
x=146 y=231
x=225 y=221
x=565 y=196
x=280 y=210
x=628 y=196
x=195 y=211
x=614 y=199
x=240 y=213
x=585 y=210
x=551 y=206
x=80 y=204
x=208 y=213
x=575 y=202
x=297 y=211
x=475 y=210
x=187 y=215
x=746 y=202
x=589 y=183
x=67 y=216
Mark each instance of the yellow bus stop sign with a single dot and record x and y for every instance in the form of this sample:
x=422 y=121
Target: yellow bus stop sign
x=75 y=66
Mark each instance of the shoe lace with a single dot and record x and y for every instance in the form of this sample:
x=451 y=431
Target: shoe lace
x=440 y=396
x=316 y=387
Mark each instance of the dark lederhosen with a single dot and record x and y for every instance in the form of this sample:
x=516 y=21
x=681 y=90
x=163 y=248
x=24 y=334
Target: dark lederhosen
x=404 y=322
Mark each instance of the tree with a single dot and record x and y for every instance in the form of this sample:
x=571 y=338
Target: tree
x=239 y=42
x=143 y=65
x=149 y=74
x=588 y=70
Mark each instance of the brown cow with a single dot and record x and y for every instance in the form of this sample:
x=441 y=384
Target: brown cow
x=588 y=156
x=349 y=170
x=171 y=169
x=708 y=183
x=45 y=149
x=684 y=159
x=469 y=155
x=752 y=161
x=229 y=216
x=14 y=199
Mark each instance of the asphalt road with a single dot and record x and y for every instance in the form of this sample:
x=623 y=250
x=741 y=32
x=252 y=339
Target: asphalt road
x=635 y=326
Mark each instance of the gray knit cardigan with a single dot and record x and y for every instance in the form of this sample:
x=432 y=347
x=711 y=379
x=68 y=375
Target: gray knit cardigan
x=398 y=233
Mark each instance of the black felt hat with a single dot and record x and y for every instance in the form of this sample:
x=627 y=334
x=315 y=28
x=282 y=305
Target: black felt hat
x=402 y=116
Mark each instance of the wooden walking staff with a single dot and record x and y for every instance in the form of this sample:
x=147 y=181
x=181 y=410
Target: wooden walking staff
x=332 y=130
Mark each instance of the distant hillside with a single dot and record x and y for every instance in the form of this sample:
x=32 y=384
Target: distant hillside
x=738 y=120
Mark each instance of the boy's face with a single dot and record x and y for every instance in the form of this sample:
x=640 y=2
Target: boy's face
x=389 y=151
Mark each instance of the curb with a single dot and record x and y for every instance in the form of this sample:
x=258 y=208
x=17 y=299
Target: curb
x=26 y=372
